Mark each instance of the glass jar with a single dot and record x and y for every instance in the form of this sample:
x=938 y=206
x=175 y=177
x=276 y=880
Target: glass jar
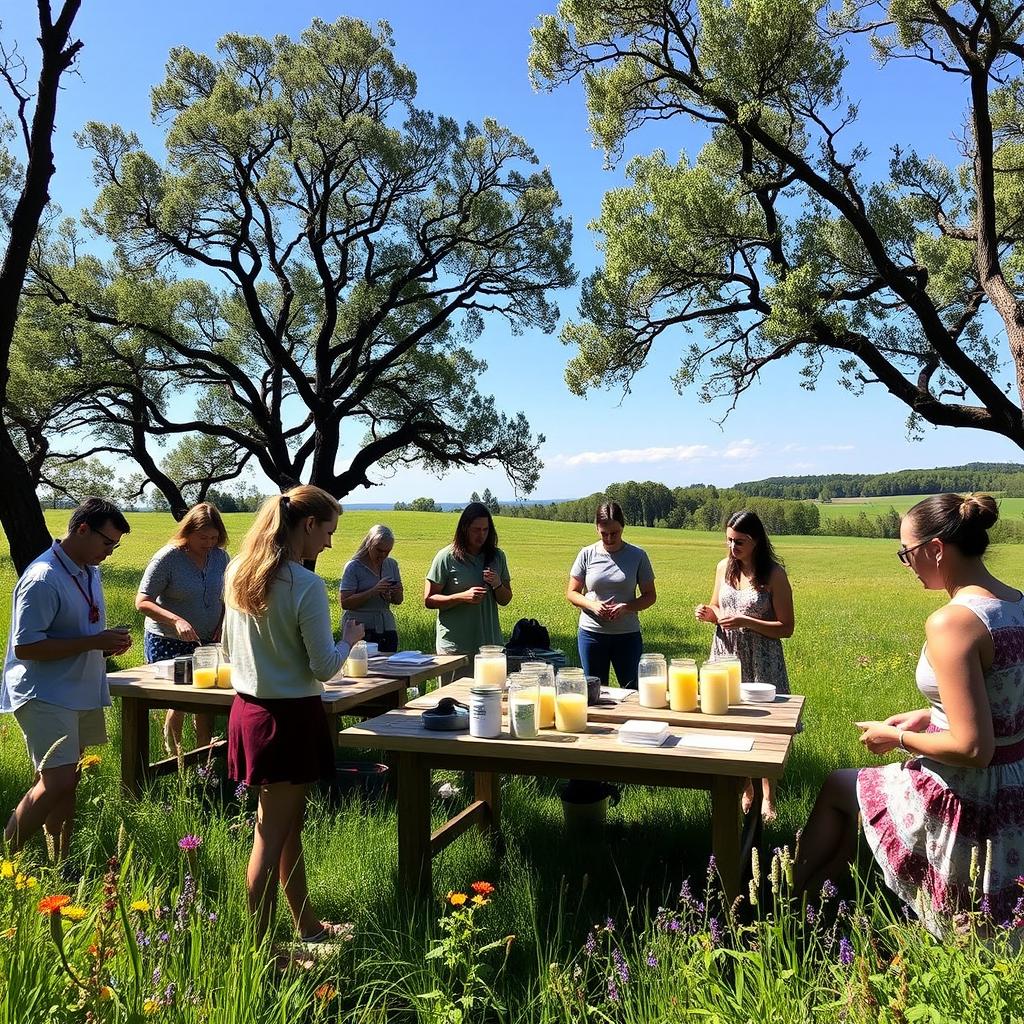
x=735 y=670
x=571 y=700
x=358 y=664
x=204 y=666
x=490 y=667
x=714 y=688
x=523 y=710
x=682 y=684
x=223 y=670
x=485 y=711
x=544 y=675
x=652 y=681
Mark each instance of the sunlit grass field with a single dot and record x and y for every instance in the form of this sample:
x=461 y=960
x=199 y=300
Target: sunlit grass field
x=1010 y=508
x=860 y=618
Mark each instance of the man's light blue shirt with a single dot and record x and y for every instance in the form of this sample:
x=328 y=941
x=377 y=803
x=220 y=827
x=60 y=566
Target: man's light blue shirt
x=48 y=605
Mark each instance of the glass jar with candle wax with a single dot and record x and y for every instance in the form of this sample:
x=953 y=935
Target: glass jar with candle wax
x=652 y=681
x=682 y=684
x=714 y=688
x=358 y=664
x=223 y=669
x=735 y=670
x=204 y=666
x=490 y=667
x=523 y=710
x=571 y=701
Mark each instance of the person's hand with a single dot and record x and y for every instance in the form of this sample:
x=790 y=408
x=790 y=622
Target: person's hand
x=382 y=588
x=113 y=642
x=215 y=639
x=705 y=613
x=491 y=578
x=911 y=721
x=599 y=608
x=352 y=632
x=878 y=737
x=614 y=610
x=475 y=594
x=732 y=621
x=185 y=631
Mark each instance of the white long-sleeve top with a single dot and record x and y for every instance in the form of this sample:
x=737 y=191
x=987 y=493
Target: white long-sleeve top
x=290 y=649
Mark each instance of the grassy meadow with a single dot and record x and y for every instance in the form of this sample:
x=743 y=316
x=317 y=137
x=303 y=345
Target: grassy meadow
x=860 y=618
x=1010 y=508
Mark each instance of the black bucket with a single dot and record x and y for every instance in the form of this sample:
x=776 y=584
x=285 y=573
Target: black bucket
x=585 y=804
x=359 y=780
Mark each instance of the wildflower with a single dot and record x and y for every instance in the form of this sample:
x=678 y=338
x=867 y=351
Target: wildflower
x=25 y=881
x=712 y=865
x=972 y=871
x=842 y=910
x=590 y=946
x=986 y=906
x=186 y=898
x=480 y=901
x=241 y=791
x=755 y=867
x=325 y=991
x=169 y=993
x=812 y=914
x=164 y=937
x=609 y=924
x=652 y=960
x=212 y=917
x=106 y=992
x=141 y=939
x=828 y=891
x=845 y=951
x=142 y=906
x=621 y=967
x=716 y=932
x=73 y=913
x=151 y=1006
x=7 y=869
x=774 y=872
x=9 y=933
x=190 y=843
x=456 y=899
x=752 y=893
x=482 y=888
x=52 y=904
x=89 y=761
x=613 y=991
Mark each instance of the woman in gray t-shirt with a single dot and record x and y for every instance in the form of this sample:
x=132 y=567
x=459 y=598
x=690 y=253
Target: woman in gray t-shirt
x=182 y=595
x=610 y=582
x=370 y=586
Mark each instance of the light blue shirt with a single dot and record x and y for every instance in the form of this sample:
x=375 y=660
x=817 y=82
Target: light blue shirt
x=47 y=606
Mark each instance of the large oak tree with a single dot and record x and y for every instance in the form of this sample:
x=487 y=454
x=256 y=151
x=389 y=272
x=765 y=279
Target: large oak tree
x=771 y=241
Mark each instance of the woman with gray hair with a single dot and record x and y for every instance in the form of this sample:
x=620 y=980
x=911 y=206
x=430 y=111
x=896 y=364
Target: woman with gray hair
x=370 y=585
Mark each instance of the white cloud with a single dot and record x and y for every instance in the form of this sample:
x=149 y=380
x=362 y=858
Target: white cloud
x=737 y=451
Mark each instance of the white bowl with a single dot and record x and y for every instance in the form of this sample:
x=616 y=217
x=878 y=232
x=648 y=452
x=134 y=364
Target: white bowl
x=757 y=693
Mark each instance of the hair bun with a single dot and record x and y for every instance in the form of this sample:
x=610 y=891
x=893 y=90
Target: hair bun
x=980 y=510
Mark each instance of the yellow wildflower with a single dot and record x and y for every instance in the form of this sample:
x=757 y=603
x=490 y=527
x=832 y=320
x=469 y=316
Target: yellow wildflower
x=456 y=899
x=106 y=992
x=6 y=869
x=73 y=913
x=24 y=881
x=480 y=901
x=151 y=1006
x=142 y=906
x=8 y=933
x=89 y=761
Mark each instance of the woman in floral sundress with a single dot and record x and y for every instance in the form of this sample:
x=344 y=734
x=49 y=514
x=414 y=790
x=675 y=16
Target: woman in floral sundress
x=752 y=608
x=959 y=796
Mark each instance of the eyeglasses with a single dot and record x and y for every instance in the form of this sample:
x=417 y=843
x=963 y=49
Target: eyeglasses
x=903 y=554
x=107 y=542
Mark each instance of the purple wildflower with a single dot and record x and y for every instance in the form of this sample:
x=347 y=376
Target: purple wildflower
x=843 y=909
x=845 y=951
x=164 y=937
x=716 y=932
x=621 y=967
x=613 y=991
x=190 y=842
x=652 y=960
x=141 y=939
x=673 y=925
x=986 y=906
x=609 y=924
x=590 y=946
x=212 y=917
x=685 y=896
x=241 y=791
x=828 y=890
x=712 y=865
x=156 y=976
x=186 y=898
x=169 y=993
x=812 y=914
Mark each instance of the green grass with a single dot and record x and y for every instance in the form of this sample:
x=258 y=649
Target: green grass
x=1009 y=508
x=860 y=618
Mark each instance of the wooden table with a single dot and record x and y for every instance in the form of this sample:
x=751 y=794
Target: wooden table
x=596 y=754
x=141 y=692
x=781 y=716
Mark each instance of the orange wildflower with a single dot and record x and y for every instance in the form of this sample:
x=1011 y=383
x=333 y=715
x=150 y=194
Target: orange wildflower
x=325 y=991
x=482 y=888
x=52 y=904
x=456 y=899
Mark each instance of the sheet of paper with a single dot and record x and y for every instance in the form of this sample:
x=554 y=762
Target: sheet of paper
x=712 y=742
x=617 y=693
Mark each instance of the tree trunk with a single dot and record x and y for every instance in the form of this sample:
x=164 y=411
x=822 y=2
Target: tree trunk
x=20 y=512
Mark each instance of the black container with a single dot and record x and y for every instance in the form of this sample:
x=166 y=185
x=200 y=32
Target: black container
x=593 y=690
x=183 y=671
x=359 y=780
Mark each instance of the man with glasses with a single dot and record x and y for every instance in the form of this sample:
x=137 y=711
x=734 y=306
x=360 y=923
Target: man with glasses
x=55 y=675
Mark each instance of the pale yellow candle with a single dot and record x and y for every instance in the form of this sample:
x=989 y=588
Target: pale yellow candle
x=653 y=693
x=355 y=668
x=224 y=675
x=546 y=706
x=735 y=670
x=714 y=689
x=204 y=678
x=682 y=687
x=490 y=672
x=571 y=712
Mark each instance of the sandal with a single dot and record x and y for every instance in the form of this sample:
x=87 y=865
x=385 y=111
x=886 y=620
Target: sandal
x=330 y=932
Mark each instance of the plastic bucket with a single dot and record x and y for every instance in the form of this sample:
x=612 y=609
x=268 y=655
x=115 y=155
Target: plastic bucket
x=360 y=780
x=585 y=804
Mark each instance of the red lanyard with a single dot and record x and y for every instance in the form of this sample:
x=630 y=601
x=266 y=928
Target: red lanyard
x=94 y=609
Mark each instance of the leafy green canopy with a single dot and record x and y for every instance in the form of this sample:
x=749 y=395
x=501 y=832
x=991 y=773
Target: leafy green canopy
x=769 y=242
x=314 y=253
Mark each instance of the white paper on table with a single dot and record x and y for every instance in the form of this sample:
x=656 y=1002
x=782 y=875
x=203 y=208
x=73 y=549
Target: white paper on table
x=617 y=693
x=411 y=658
x=700 y=739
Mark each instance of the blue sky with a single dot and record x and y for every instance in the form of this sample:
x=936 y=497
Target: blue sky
x=470 y=60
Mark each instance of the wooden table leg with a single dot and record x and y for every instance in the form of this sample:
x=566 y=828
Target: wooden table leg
x=414 y=865
x=725 y=832
x=134 y=744
x=487 y=787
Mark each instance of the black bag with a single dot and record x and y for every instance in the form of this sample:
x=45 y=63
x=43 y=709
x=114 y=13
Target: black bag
x=529 y=634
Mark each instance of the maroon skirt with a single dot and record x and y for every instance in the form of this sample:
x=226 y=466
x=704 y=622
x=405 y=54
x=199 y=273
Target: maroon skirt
x=285 y=740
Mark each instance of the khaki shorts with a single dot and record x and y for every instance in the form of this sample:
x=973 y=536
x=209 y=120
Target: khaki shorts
x=45 y=725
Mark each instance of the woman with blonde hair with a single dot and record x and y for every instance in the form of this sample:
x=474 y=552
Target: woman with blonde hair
x=182 y=596
x=277 y=631
x=370 y=585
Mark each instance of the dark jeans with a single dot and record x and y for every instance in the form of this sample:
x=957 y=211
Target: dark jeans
x=621 y=651
x=385 y=639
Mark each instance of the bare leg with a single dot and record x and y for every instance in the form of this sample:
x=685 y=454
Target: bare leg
x=59 y=824
x=747 y=799
x=829 y=840
x=768 y=812
x=204 y=730
x=292 y=873
x=50 y=803
x=173 y=722
x=279 y=812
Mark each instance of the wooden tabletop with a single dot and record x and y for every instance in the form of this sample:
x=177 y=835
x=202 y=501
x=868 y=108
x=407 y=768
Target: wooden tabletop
x=340 y=693
x=781 y=716
x=599 y=746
